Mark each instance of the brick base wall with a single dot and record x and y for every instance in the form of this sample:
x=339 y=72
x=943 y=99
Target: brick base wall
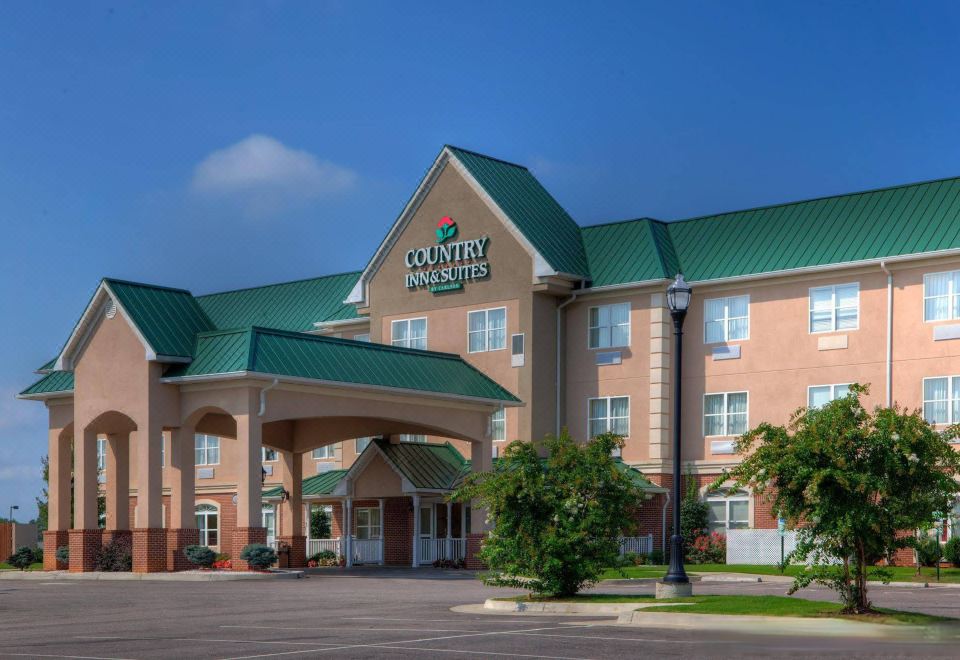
x=242 y=537
x=84 y=545
x=51 y=541
x=149 y=550
x=397 y=531
x=297 y=557
x=177 y=540
x=474 y=541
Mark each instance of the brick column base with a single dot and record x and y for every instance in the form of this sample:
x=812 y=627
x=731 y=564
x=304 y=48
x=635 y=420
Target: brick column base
x=52 y=540
x=297 y=557
x=177 y=540
x=84 y=545
x=242 y=537
x=474 y=541
x=149 y=550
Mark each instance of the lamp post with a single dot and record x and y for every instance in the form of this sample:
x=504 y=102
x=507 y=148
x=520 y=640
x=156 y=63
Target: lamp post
x=676 y=582
x=13 y=508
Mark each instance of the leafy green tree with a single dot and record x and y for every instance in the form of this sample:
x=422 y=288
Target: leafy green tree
x=853 y=481
x=694 y=514
x=44 y=497
x=556 y=521
x=319 y=524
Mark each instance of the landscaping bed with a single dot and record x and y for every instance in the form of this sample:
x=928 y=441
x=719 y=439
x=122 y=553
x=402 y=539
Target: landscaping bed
x=899 y=573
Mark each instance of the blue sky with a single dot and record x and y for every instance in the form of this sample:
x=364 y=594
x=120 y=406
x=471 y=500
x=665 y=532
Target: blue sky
x=222 y=145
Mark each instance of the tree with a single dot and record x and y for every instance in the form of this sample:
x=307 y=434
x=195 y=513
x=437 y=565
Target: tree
x=856 y=484
x=556 y=522
x=319 y=524
x=694 y=514
x=44 y=496
x=22 y=558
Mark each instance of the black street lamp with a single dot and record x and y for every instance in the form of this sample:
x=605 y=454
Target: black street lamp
x=13 y=508
x=678 y=300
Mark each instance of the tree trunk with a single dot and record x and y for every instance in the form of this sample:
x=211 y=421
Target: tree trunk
x=863 y=605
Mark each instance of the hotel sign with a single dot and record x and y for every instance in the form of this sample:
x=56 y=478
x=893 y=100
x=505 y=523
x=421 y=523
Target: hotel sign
x=447 y=265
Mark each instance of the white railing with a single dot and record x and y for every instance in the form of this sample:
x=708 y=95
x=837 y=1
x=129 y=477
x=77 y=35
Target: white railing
x=319 y=545
x=367 y=551
x=434 y=549
x=642 y=545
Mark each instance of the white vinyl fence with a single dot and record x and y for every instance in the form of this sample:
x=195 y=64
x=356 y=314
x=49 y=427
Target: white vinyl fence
x=642 y=545
x=758 y=546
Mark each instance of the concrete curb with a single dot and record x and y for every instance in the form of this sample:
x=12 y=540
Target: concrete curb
x=594 y=609
x=49 y=576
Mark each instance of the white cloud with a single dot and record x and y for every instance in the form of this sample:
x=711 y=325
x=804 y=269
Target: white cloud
x=20 y=472
x=265 y=176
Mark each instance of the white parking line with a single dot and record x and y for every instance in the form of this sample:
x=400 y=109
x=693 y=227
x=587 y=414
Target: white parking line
x=510 y=655
x=314 y=628
x=79 y=657
x=194 y=639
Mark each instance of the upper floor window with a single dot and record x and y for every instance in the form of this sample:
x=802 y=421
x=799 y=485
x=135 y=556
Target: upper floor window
x=835 y=307
x=360 y=444
x=409 y=333
x=941 y=296
x=364 y=337
x=413 y=437
x=487 y=330
x=101 y=454
x=206 y=449
x=726 y=319
x=498 y=425
x=941 y=400
x=609 y=414
x=269 y=455
x=323 y=453
x=728 y=511
x=609 y=326
x=821 y=395
x=725 y=413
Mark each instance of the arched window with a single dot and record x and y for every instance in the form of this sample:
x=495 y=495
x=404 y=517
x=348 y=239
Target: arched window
x=728 y=510
x=270 y=522
x=208 y=524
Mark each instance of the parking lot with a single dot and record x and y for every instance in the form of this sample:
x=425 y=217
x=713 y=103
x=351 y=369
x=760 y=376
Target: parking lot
x=377 y=613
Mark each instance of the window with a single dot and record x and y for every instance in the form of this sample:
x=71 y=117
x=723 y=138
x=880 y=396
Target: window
x=163 y=451
x=835 y=308
x=206 y=449
x=208 y=524
x=728 y=511
x=324 y=453
x=368 y=523
x=269 y=455
x=487 y=330
x=498 y=425
x=726 y=319
x=270 y=523
x=725 y=413
x=101 y=454
x=413 y=437
x=610 y=326
x=941 y=296
x=608 y=414
x=941 y=400
x=360 y=444
x=410 y=333
x=820 y=395
x=364 y=337
x=516 y=350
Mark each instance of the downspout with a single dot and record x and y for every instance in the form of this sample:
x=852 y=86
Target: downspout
x=883 y=267
x=263 y=397
x=573 y=296
x=663 y=525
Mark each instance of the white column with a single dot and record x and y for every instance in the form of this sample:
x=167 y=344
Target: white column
x=383 y=528
x=416 y=531
x=449 y=530
x=348 y=530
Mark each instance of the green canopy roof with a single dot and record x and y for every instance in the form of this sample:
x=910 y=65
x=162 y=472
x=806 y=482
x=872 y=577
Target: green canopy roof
x=322 y=483
x=426 y=466
x=54 y=383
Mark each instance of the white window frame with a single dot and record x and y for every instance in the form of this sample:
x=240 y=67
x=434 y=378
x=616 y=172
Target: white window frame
x=271 y=510
x=833 y=391
x=327 y=455
x=726 y=319
x=950 y=295
x=485 y=332
x=609 y=418
x=628 y=324
x=833 y=309
x=498 y=425
x=728 y=498
x=725 y=415
x=369 y=526
x=211 y=508
x=265 y=453
x=207 y=448
x=101 y=455
x=414 y=437
x=364 y=337
x=405 y=343
x=366 y=440
x=949 y=400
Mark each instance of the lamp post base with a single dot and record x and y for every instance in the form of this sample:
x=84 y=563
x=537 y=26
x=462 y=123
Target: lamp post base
x=673 y=589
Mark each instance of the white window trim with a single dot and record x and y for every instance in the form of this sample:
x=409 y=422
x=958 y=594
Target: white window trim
x=833 y=309
x=486 y=329
x=629 y=327
x=949 y=400
x=216 y=506
x=365 y=336
x=263 y=454
x=726 y=319
x=727 y=499
x=329 y=449
x=609 y=417
x=356 y=523
x=206 y=449
x=493 y=435
x=949 y=296
x=102 y=445
x=810 y=387
x=426 y=328
x=725 y=413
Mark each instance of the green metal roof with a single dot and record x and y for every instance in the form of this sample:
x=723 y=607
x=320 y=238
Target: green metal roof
x=540 y=218
x=52 y=383
x=47 y=366
x=629 y=251
x=322 y=483
x=288 y=306
x=427 y=466
x=168 y=319
x=277 y=352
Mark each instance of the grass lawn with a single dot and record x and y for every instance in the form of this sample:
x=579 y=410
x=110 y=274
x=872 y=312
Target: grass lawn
x=900 y=573
x=787 y=606
x=4 y=566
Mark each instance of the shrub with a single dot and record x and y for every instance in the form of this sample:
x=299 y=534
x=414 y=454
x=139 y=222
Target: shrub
x=22 y=558
x=951 y=551
x=708 y=549
x=114 y=557
x=259 y=556
x=928 y=551
x=223 y=556
x=200 y=555
x=450 y=563
x=694 y=514
x=635 y=559
x=223 y=564
x=63 y=554
x=656 y=557
x=324 y=558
